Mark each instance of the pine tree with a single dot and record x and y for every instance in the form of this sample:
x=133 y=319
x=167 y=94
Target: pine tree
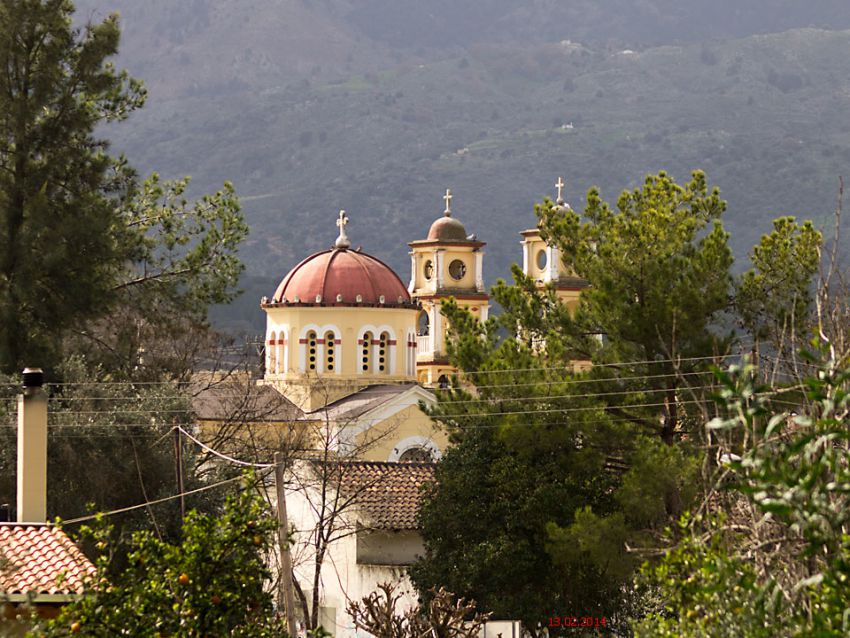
x=93 y=259
x=62 y=238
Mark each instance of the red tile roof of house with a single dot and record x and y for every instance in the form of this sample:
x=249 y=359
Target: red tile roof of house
x=388 y=494
x=41 y=559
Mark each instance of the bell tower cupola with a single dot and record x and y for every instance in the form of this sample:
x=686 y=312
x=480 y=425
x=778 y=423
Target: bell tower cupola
x=543 y=263
x=448 y=263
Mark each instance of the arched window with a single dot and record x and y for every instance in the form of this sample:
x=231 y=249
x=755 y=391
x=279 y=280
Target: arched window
x=384 y=353
x=366 y=351
x=414 y=449
x=416 y=455
x=422 y=324
x=271 y=354
x=330 y=352
x=312 y=350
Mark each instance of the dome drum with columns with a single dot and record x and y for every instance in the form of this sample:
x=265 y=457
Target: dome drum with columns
x=339 y=321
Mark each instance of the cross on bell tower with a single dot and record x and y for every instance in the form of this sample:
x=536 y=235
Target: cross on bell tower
x=448 y=199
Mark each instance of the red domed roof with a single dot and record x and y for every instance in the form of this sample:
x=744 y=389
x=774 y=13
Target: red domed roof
x=337 y=277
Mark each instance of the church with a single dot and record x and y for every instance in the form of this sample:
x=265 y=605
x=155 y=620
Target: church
x=341 y=320
x=355 y=353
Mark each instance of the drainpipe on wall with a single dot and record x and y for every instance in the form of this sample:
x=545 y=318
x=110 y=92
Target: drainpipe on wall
x=32 y=449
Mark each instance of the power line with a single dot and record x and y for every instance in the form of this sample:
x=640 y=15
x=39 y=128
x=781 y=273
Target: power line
x=225 y=457
x=591 y=395
x=469 y=373
x=82 y=519
x=613 y=364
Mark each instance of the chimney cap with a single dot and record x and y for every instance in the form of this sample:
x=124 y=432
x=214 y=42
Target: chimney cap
x=33 y=377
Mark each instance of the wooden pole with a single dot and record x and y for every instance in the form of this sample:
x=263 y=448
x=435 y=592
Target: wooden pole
x=178 y=464
x=286 y=589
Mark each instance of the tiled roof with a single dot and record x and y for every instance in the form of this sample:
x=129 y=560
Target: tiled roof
x=41 y=559
x=387 y=494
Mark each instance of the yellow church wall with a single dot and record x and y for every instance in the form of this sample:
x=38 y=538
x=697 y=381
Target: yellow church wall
x=441 y=258
x=379 y=441
x=429 y=373
x=348 y=325
x=569 y=298
x=467 y=259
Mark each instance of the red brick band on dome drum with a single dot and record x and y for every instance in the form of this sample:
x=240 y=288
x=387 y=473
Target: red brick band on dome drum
x=340 y=277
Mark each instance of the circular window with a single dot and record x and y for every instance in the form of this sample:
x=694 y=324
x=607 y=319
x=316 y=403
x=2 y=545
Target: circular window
x=541 y=259
x=428 y=270
x=457 y=269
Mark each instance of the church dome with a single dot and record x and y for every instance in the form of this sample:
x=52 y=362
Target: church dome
x=447 y=229
x=342 y=277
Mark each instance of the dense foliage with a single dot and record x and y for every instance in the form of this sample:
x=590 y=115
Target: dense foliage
x=563 y=474
x=778 y=556
x=212 y=582
x=62 y=238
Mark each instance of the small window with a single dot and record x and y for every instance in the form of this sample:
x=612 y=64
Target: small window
x=541 y=259
x=383 y=352
x=428 y=270
x=330 y=352
x=366 y=347
x=312 y=344
x=457 y=269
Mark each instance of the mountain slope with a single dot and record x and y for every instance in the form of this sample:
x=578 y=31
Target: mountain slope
x=766 y=116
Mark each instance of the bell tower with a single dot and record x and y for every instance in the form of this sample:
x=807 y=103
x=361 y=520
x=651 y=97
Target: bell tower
x=542 y=262
x=449 y=263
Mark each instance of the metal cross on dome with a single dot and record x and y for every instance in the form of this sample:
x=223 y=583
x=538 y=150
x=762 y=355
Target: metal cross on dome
x=560 y=186
x=342 y=241
x=448 y=198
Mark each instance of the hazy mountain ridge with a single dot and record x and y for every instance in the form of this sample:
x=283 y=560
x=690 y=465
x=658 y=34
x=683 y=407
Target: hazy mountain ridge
x=766 y=116
x=203 y=46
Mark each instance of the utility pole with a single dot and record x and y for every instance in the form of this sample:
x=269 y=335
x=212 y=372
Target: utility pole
x=286 y=589
x=178 y=464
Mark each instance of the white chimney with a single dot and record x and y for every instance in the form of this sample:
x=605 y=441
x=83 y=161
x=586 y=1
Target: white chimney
x=32 y=449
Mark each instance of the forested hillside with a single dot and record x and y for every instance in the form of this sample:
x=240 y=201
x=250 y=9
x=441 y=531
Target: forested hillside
x=377 y=107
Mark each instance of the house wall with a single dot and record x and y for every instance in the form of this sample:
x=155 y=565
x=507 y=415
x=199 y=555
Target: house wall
x=401 y=547
x=343 y=579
